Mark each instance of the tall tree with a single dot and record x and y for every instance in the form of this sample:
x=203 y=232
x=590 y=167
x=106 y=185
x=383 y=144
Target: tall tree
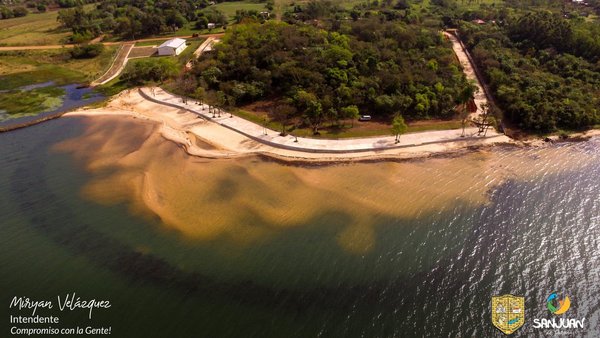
x=463 y=99
x=309 y=105
x=350 y=112
x=399 y=127
x=282 y=113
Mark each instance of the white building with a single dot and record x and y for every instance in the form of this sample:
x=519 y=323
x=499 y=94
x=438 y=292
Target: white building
x=172 y=47
x=211 y=25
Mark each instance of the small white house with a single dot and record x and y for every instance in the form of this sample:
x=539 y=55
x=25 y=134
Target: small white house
x=172 y=47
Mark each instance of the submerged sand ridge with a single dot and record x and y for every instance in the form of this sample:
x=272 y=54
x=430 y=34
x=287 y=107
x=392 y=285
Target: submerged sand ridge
x=248 y=200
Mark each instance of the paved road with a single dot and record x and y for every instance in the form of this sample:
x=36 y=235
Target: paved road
x=9 y=48
x=117 y=66
x=272 y=137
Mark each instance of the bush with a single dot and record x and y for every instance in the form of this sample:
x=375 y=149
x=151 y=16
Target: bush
x=5 y=13
x=81 y=37
x=68 y=3
x=20 y=11
x=202 y=23
x=87 y=51
x=154 y=69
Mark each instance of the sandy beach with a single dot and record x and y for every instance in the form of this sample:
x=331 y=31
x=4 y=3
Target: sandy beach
x=184 y=127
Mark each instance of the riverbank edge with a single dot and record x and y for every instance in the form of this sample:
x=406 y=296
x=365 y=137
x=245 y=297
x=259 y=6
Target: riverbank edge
x=180 y=133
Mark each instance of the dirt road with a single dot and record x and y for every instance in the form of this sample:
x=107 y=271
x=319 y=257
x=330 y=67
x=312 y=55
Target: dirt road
x=9 y=48
x=480 y=97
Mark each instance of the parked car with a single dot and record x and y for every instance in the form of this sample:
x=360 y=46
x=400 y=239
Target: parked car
x=365 y=118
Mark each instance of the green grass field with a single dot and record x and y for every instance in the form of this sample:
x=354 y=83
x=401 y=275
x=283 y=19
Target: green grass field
x=20 y=68
x=34 y=29
x=229 y=8
x=464 y=4
x=346 y=130
x=150 y=43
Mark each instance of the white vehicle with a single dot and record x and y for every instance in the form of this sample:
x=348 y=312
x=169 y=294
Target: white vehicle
x=365 y=118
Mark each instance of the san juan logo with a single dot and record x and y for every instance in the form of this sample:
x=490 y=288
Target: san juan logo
x=508 y=313
x=557 y=306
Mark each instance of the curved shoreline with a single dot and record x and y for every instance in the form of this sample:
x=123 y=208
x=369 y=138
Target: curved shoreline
x=272 y=138
x=8 y=128
x=181 y=125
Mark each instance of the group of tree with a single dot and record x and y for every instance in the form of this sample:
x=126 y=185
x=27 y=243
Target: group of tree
x=400 y=10
x=150 y=70
x=138 y=18
x=129 y=21
x=87 y=51
x=210 y=15
x=383 y=68
x=252 y=14
x=9 y=13
x=543 y=69
x=42 y=5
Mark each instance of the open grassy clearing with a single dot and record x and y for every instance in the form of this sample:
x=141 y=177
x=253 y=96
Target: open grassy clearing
x=229 y=8
x=20 y=68
x=149 y=43
x=475 y=4
x=139 y=52
x=463 y=4
x=34 y=29
x=346 y=129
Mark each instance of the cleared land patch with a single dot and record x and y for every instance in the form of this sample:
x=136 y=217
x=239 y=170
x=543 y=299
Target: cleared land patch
x=229 y=8
x=20 y=68
x=34 y=29
x=140 y=52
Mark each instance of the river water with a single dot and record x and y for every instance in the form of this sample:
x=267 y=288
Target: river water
x=190 y=247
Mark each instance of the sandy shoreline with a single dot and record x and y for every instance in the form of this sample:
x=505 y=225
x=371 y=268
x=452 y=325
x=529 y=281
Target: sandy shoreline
x=123 y=148
x=184 y=128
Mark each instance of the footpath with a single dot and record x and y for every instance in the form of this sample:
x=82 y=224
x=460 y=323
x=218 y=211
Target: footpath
x=272 y=138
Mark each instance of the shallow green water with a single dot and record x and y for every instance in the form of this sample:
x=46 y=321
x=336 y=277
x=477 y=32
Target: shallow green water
x=431 y=275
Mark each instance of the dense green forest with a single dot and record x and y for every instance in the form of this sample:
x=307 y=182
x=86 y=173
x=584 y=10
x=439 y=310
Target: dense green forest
x=328 y=62
x=540 y=58
x=381 y=68
x=542 y=68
